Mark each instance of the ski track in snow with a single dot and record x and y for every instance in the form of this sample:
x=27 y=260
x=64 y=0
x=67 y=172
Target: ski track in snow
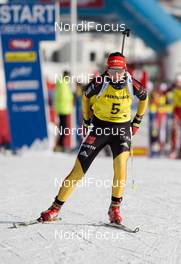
x=28 y=185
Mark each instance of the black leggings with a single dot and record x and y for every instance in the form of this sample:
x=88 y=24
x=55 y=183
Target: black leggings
x=100 y=134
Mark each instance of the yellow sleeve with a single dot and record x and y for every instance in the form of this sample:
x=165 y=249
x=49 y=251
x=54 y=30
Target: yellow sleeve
x=142 y=105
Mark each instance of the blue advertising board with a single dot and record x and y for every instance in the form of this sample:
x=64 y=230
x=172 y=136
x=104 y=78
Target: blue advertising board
x=22 y=28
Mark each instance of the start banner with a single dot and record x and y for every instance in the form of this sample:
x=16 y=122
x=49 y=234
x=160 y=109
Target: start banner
x=22 y=27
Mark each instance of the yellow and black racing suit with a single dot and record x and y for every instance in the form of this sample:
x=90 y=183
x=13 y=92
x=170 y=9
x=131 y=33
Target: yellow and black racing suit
x=109 y=107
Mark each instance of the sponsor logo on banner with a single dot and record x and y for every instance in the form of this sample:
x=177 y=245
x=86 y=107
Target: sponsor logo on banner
x=29 y=56
x=20 y=72
x=84 y=3
x=23 y=97
x=23 y=44
x=21 y=13
x=21 y=85
x=25 y=108
x=28 y=19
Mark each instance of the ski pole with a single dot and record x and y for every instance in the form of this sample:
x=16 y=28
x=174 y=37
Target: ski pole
x=126 y=32
x=133 y=187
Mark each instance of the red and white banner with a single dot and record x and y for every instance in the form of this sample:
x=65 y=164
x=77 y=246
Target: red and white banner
x=84 y=3
x=22 y=44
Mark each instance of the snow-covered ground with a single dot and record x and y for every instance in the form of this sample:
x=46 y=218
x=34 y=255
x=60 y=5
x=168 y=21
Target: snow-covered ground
x=28 y=184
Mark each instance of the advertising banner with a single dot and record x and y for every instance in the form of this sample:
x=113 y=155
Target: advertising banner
x=22 y=28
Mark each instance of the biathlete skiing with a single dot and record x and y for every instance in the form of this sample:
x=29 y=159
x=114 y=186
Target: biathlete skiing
x=106 y=107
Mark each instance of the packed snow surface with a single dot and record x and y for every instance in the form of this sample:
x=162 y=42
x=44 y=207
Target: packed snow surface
x=30 y=181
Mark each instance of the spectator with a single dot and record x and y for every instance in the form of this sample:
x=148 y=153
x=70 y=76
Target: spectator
x=63 y=101
x=176 y=142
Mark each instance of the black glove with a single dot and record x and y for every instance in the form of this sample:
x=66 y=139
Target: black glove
x=136 y=124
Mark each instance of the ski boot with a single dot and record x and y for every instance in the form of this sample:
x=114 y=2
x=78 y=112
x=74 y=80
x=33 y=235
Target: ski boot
x=114 y=213
x=52 y=213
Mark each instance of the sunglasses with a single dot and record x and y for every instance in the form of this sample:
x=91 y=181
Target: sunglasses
x=114 y=71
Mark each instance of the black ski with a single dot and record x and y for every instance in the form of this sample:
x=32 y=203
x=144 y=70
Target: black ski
x=111 y=225
x=33 y=222
x=122 y=227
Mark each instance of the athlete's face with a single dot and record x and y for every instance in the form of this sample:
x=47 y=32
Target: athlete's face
x=116 y=74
